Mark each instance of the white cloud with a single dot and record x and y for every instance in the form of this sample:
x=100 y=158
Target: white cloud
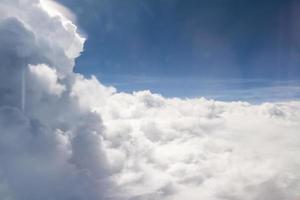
x=46 y=79
x=72 y=138
x=55 y=9
x=90 y=92
x=197 y=148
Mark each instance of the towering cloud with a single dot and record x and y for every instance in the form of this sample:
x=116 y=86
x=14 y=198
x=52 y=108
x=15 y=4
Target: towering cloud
x=51 y=148
x=67 y=137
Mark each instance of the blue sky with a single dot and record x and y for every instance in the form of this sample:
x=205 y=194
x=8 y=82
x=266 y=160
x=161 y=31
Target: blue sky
x=227 y=49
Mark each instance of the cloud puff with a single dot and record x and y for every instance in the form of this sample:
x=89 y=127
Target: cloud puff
x=67 y=137
x=46 y=79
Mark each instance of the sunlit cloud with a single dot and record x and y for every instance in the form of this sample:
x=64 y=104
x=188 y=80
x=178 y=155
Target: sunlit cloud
x=55 y=9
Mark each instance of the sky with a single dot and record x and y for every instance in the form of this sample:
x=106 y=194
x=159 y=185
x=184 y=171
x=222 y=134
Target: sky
x=67 y=135
x=142 y=44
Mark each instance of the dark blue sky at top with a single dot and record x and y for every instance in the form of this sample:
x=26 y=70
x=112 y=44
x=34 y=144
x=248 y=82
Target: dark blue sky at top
x=190 y=39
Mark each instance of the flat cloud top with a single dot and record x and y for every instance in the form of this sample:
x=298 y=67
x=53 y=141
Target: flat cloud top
x=67 y=137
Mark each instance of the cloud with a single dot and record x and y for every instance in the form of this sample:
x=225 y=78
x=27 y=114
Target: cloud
x=197 y=148
x=55 y=9
x=46 y=79
x=50 y=147
x=67 y=137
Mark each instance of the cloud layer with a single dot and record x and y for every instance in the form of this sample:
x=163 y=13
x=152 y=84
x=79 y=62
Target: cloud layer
x=67 y=137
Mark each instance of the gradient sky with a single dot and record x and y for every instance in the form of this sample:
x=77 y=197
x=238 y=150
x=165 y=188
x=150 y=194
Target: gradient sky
x=177 y=47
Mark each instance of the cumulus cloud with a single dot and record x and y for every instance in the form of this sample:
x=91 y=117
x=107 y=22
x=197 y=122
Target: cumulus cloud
x=50 y=147
x=197 y=148
x=67 y=137
x=45 y=78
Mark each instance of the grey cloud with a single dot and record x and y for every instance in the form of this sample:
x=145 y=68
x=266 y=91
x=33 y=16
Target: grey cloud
x=50 y=147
